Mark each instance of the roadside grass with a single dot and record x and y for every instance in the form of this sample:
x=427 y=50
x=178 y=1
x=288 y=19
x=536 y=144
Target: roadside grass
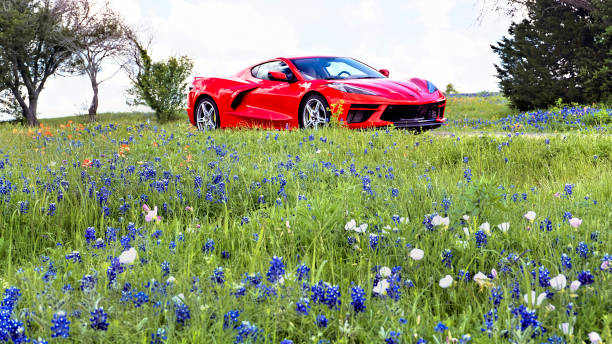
x=470 y=107
x=231 y=200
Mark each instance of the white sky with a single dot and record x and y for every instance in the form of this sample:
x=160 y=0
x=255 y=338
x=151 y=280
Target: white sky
x=439 y=40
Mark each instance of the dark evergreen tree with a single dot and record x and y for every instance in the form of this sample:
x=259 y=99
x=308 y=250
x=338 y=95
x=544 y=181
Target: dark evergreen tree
x=557 y=51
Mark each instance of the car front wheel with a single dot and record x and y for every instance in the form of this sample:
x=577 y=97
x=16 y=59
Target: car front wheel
x=314 y=112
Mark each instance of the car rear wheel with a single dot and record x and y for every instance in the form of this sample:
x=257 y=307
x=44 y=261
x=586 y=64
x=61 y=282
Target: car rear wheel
x=314 y=112
x=207 y=115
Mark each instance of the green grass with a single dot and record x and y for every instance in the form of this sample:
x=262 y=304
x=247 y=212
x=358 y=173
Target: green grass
x=486 y=108
x=295 y=191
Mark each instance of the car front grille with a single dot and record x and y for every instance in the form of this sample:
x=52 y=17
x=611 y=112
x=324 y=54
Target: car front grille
x=359 y=113
x=401 y=113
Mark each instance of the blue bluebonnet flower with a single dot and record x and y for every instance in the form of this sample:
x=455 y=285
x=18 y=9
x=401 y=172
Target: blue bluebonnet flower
x=209 y=246
x=543 y=276
x=489 y=321
x=75 y=256
x=88 y=282
x=218 y=276
x=373 y=241
x=585 y=277
x=11 y=296
x=515 y=293
x=467 y=174
x=225 y=255
x=247 y=333
x=140 y=298
x=51 y=210
x=230 y=318
x=165 y=268
x=528 y=318
x=113 y=270
x=302 y=306
x=365 y=182
x=277 y=269
x=358 y=299
x=566 y=261
x=569 y=189
x=321 y=320
x=303 y=272
x=546 y=224
x=447 y=258
x=326 y=294
x=582 y=249
x=23 y=207
x=286 y=341
x=427 y=221
x=393 y=338
x=181 y=313
x=497 y=294
x=60 y=325
x=481 y=238
x=159 y=337
x=440 y=327
x=98 y=320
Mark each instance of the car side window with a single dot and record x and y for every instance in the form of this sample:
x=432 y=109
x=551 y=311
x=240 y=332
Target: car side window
x=254 y=71
x=261 y=71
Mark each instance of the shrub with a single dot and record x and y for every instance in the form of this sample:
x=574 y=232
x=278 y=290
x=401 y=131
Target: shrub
x=161 y=85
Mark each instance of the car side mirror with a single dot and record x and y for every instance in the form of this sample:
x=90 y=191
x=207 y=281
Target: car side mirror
x=277 y=76
x=384 y=72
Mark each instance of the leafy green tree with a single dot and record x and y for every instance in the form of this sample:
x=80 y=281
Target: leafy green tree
x=31 y=34
x=555 y=52
x=450 y=89
x=160 y=85
x=598 y=73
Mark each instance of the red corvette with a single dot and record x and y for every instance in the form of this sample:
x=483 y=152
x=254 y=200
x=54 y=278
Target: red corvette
x=303 y=92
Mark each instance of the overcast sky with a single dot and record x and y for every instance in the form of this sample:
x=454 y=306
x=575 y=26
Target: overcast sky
x=440 y=40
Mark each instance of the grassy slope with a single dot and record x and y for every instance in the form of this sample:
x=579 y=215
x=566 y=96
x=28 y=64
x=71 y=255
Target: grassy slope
x=423 y=169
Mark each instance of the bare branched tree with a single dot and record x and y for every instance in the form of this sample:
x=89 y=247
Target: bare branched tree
x=99 y=35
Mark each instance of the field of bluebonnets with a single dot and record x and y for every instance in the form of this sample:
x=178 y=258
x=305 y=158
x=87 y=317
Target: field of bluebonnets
x=127 y=231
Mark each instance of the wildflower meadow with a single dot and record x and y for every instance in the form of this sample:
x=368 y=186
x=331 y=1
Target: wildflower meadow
x=135 y=232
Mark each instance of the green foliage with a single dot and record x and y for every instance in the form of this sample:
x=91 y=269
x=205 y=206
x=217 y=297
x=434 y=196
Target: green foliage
x=450 y=89
x=557 y=51
x=480 y=197
x=31 y=50
x=161 y=85
x=10 y=106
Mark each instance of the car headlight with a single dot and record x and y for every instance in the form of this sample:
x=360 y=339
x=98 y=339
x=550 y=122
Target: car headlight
x=431 y=87
x=350 y=89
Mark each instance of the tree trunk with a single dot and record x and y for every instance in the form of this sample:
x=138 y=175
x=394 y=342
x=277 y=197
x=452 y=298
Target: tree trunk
x=93 y=109
x=30 y=112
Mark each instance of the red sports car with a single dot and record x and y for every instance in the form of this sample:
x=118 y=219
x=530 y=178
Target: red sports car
x=303 y=92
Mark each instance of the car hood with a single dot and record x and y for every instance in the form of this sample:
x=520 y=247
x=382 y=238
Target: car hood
x=415 y=89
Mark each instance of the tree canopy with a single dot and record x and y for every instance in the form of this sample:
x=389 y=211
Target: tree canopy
x=560 y=50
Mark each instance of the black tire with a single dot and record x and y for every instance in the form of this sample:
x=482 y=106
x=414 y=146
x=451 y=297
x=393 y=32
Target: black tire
x=306 y=114
x=202 y=114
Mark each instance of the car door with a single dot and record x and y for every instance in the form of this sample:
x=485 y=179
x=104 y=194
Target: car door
x=277 y=101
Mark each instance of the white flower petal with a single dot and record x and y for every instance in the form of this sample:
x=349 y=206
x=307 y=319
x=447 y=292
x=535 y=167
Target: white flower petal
x=417 y=254
x=446 y=282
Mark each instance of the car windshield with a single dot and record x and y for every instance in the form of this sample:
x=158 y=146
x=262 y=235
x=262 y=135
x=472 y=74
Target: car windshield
x=334 y=68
